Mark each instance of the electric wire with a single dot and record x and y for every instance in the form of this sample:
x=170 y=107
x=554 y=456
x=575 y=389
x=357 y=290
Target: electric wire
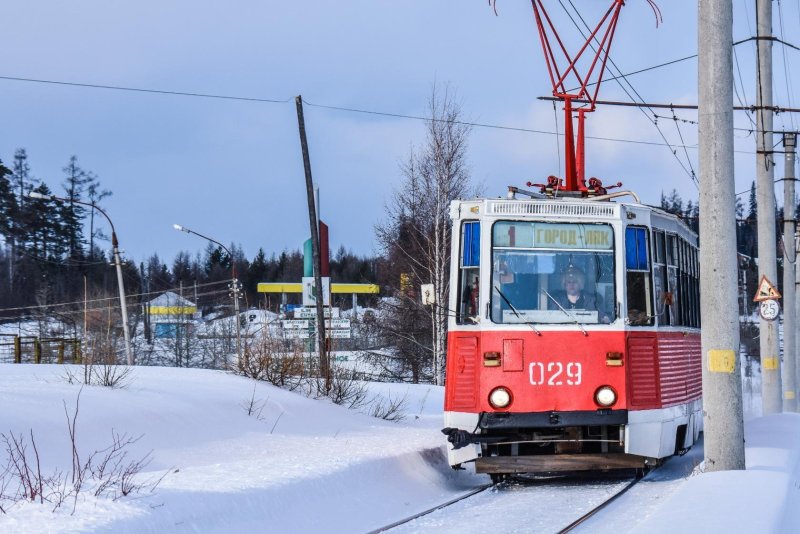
x=101 y=308
x=132 y=295
x=760 y=97
x=363 y=111
x=786 y=69
x=690 y=172
x=743 y=98
x=145 y=90
x=484 y=125
x=680 y=136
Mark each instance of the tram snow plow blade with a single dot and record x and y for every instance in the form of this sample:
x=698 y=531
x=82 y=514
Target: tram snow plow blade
x=560 y=462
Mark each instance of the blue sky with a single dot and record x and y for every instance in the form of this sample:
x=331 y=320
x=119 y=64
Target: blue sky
x=233 y=169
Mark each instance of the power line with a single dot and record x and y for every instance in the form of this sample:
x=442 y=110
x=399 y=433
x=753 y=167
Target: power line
x=104 y=299
x=480 y=125
x=786 y=70
x=691 y=174
x=80 y=311
x=338 y=108
x=143 y=90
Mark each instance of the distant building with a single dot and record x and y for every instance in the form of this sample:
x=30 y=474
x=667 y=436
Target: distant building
x=171 y=315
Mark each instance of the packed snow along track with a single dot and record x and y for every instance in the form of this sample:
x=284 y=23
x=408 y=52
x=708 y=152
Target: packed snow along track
x=535 y=505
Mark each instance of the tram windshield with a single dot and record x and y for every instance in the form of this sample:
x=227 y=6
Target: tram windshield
x=552 y=273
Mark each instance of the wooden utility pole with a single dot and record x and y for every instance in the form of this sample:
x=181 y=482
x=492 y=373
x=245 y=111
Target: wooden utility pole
x=722 y=383
x=765 y=198
x=324 y=364
x=789 y=278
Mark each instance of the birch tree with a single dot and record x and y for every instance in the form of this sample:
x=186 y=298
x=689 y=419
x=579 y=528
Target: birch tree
x=416 y=235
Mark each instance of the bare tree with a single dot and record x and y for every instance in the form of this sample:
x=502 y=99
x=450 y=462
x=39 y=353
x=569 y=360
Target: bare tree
x=416 y=236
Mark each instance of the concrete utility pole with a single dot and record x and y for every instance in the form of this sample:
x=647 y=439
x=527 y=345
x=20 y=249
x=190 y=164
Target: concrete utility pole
x=765 y=198
x=324 y=366
x=789 y=279
x=722 y=383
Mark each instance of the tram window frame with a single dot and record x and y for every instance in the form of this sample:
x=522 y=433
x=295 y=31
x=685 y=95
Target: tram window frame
x=673 y=287
x=660 y=279
x=694 y=287
x=469 y=264
x=638 y=275
x=541 y=308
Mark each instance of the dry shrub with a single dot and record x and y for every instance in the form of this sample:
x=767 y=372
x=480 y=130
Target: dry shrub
x=268 y=360
x=108 y=472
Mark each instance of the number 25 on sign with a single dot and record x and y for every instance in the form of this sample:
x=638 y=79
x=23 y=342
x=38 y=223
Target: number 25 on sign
x=769 y=310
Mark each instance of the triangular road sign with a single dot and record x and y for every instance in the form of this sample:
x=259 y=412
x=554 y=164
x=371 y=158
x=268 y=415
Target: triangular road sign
x=766 y=291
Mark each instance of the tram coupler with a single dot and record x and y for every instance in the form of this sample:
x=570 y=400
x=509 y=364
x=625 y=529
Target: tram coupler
x=461 y=438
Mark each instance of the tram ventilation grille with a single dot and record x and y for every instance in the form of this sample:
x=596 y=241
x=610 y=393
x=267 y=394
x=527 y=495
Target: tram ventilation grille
x=584 y=209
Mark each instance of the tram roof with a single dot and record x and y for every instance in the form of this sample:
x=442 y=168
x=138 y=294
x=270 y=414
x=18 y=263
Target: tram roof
x=568 y=208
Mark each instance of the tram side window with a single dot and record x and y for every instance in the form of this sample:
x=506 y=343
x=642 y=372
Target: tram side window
x=673 y=297
x=469 y=273
x=696 y=288
x=692 y=288
x=637 y=266
x=660 y=277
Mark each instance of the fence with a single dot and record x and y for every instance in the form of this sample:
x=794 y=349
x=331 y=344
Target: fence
x=33 y=349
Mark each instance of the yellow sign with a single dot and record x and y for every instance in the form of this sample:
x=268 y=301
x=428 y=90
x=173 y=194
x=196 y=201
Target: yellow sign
x=770 y=364
x=172 y=310
x=279 y=287
x=721 y=361
x=766 y=291
x=788 y=395
x=288 y=287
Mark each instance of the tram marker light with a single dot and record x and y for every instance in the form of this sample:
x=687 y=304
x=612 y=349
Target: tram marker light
x=491 y=359
x=614 y=359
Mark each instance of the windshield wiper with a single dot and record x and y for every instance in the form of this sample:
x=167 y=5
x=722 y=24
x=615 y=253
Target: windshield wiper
x=505 y=298
x=560 y=307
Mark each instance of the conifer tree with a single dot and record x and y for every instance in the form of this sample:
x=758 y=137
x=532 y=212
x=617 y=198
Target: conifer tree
x=72 y=214
x=8 y=203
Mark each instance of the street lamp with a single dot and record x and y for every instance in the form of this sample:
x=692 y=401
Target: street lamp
x=117 y=263
x=234 y=288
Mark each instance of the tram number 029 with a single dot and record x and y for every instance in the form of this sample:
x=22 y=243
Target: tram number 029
x=555 y=373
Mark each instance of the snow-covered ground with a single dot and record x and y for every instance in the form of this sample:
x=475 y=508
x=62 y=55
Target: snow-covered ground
x=302 y=465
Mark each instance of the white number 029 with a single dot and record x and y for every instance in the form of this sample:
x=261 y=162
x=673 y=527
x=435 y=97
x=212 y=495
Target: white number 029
x=555 y=374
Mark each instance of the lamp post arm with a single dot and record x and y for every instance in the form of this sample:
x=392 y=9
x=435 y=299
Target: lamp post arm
x=117 y=263
x=223 y=247
x=114 y=242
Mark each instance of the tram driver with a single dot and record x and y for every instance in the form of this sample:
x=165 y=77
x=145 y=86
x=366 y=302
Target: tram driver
x=574 y=297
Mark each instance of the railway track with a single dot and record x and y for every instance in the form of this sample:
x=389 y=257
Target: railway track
x=572 y=526
x=431 y=510
x=535 y=505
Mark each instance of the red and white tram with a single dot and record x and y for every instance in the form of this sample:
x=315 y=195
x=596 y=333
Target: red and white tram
x=538 y=382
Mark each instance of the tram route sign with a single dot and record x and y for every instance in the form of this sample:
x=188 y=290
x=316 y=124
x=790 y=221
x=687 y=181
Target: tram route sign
x=766 y=291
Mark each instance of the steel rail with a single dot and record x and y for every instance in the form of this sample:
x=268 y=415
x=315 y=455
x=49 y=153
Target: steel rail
x=593 y=511
x=431 y=510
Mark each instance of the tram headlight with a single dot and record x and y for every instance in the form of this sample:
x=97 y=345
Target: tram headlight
x=605 y=396
x=500 y=398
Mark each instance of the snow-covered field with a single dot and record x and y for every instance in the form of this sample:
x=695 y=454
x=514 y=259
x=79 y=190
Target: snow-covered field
x=303 y=465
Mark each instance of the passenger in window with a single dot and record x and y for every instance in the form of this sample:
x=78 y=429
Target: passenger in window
x=574 y=297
